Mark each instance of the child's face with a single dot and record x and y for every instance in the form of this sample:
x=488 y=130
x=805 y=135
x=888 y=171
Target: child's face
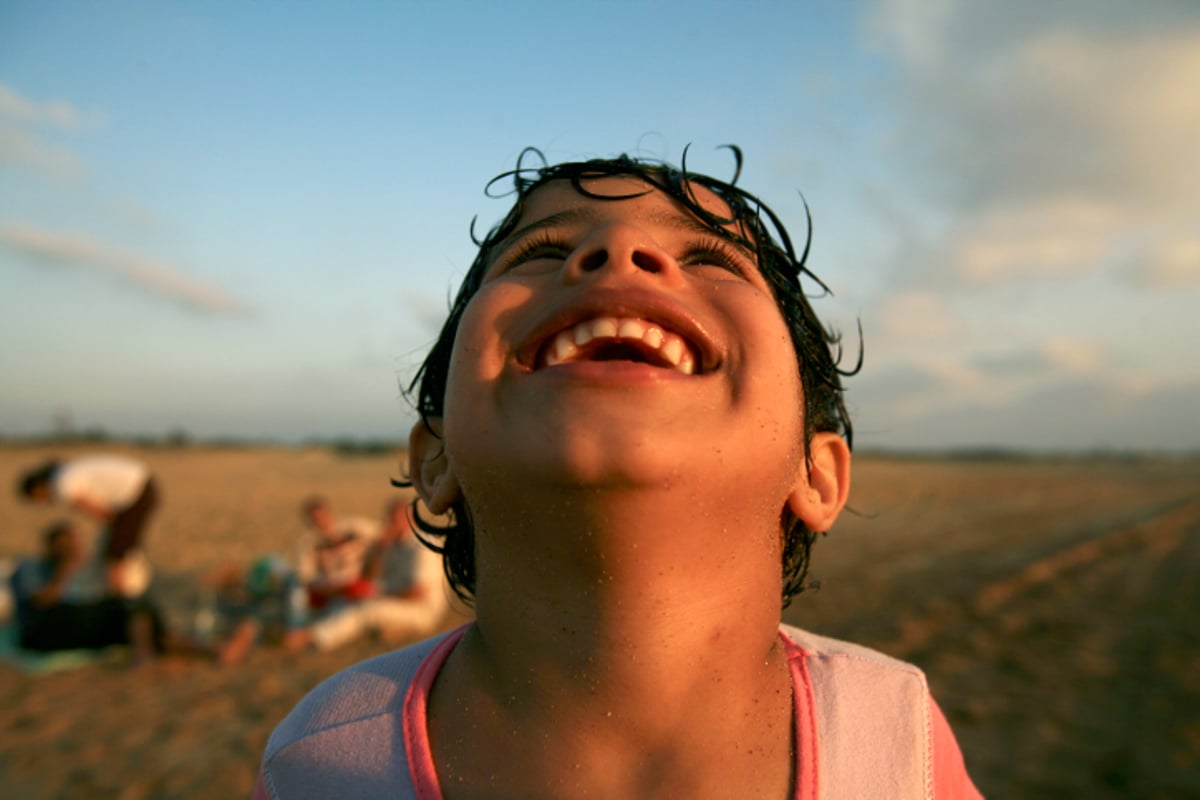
x=63 y=546
x=619 y=341
x=320 y=518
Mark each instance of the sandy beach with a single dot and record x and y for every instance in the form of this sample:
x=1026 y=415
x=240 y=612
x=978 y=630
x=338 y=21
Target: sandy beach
x=1052 y=604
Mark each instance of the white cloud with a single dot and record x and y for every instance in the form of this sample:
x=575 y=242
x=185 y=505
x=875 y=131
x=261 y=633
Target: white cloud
x=980 y=399
x=1071 y=413
x=914 y=315
x=1048 y=158
x=159 y=279
x=1053 y=356
x=1072 y=356
x=1037 y=240
x=57 y=113
x=908 y=389
x=19 y=149
x=914 y=29
x=1170 y=264
x=1048 y=133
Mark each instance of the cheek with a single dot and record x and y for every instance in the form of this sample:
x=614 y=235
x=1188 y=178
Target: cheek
x=483 y=350
x=773 y=393
x=768 y=352
x=782 y=392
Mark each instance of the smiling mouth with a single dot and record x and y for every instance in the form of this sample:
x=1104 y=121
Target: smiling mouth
x=619 y=339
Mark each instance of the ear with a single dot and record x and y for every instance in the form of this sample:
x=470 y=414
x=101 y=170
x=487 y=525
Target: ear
x=820 y=494
x=429 y=468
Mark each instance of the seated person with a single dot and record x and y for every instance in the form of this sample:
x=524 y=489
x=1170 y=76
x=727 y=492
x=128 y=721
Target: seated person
x=331 y=553
x=237 y=608
x=56 y=611
x=410 y=595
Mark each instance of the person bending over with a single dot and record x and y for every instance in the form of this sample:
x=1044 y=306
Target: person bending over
x=117 y=492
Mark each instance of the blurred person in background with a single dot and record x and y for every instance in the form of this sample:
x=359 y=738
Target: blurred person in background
x=331 y=553
x=120 y=494
x=240 y=609
x=56 y=610
x=408 y=597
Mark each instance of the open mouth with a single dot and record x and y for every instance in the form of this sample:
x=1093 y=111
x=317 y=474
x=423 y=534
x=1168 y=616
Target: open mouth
x=619 y=339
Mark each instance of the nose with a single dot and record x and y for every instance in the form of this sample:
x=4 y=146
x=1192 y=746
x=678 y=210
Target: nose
x=619 y=248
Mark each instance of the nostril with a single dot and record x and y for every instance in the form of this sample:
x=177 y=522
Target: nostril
x=593 y=261
x=646 y=261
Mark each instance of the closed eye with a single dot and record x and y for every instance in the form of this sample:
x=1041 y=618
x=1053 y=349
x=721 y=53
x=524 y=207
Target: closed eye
x=529 y=255
x=717 y=253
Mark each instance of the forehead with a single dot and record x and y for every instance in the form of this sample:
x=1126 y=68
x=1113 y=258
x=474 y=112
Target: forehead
x=615 y=197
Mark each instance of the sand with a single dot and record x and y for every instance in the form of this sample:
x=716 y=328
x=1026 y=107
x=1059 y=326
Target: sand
x=1052 y=604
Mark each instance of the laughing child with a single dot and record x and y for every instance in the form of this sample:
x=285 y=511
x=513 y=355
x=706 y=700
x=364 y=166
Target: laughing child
x=634 y=423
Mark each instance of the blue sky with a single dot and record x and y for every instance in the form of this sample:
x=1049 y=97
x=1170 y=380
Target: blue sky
x=244 y=218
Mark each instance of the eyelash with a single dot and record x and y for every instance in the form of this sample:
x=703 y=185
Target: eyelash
x=716 y=252
x=530 y=247
x=711 y=251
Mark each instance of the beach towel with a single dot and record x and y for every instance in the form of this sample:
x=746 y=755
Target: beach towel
x=33 y=663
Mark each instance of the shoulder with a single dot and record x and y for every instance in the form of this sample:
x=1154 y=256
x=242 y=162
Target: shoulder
x=841 y=675
x=867 y=715
x=321 y=747
x=369 y=689
x=880 y=732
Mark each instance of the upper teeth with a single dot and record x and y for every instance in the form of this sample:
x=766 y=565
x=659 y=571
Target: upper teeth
x=566 y=346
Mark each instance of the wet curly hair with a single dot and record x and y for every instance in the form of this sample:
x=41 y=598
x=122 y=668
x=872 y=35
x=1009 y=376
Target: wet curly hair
x=752 y=225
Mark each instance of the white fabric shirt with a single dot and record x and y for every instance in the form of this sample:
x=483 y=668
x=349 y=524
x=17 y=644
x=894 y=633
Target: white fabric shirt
x=365 y=532
x=113 y=482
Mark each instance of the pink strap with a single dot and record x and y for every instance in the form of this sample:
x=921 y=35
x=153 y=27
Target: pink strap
x=416 y=728
x=806 y=722
x=260 y=788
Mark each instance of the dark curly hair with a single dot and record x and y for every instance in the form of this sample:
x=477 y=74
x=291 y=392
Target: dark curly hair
x=37 y=477
x=753 y=225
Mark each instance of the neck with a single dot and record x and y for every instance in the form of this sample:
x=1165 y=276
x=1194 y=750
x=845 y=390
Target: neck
x=620 y=652
x=611 y=587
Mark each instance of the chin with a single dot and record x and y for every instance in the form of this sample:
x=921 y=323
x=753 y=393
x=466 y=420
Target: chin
x=583 y=455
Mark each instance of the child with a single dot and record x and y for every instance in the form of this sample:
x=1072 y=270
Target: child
x=635 y=423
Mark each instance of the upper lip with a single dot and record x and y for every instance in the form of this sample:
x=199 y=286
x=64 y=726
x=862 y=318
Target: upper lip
x=610 y=302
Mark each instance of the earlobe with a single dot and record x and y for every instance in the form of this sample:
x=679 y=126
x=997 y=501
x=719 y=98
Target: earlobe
x=819 y=495
x=429 y=468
